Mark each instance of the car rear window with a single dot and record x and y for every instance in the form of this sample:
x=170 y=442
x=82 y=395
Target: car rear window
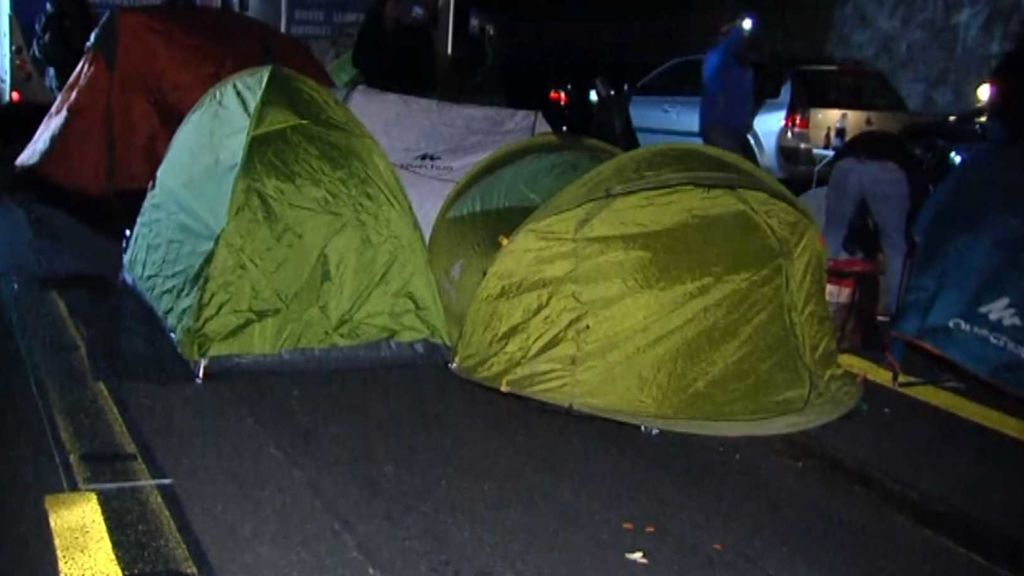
x=849 y=89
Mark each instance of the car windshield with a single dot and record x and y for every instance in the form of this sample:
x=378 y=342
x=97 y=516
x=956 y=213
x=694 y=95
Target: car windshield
x=849 y=89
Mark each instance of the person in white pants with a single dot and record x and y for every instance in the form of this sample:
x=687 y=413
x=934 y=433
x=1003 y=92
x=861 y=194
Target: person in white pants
x=885 y=187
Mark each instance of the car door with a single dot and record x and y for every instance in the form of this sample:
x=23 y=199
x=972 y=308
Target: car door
x=665 y=106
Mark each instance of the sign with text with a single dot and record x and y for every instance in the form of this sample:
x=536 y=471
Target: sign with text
x=324 y=18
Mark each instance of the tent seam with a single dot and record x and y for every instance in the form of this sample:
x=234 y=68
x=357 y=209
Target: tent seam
x=188 y=338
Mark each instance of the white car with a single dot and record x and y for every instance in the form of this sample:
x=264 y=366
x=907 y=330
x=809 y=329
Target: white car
x=802 y=114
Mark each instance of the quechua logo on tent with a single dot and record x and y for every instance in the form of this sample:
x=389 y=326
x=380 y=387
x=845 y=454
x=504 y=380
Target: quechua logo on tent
x=1000 y=311
x=427 y=162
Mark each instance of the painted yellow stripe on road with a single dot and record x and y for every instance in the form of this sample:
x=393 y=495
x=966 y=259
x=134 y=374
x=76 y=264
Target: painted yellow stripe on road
x=85 y=414
x=874 y=372
x=80 y=535
x=937 y=397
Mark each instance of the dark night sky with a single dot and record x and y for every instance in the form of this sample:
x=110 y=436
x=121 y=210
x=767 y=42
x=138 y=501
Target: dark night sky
x=624 y=40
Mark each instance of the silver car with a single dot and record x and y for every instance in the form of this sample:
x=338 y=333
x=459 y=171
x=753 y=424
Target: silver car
x=804 y=112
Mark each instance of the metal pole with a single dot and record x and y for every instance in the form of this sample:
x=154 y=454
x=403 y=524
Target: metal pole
x=6 y=58
x=451 y=24
x=284 y=16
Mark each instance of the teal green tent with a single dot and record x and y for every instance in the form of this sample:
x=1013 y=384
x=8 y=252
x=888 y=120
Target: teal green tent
x=677 y=287
x=490 y=202
x=276 y=226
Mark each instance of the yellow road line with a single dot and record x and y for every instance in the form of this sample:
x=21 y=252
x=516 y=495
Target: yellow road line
x=87 y=393
x=80 y=535
x=874 y=372
x=937 y=397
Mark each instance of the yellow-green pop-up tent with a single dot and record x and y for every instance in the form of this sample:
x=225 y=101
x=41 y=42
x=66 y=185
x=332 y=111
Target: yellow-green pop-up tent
x=678 y=287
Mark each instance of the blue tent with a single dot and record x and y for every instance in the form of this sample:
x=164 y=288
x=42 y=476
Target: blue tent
x=965 y=295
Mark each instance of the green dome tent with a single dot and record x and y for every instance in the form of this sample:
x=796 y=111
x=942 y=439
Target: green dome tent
x=490 y=202
x=676 y=287
x=276 y=227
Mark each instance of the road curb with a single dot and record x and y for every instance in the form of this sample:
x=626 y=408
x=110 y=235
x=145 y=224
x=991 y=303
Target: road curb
x=108 y=475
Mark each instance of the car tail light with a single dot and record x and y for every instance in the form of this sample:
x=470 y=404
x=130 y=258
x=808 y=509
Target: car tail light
x=559 y=97
x=797 y=121
x=15 y=96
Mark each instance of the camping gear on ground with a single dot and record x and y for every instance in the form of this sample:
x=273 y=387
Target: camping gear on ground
x=276 y=229
x=144 y=69
x=853 y=284
x=852 y=295
x=490 y=202
x=964 y=299
x=678 y=287
x=433 y=144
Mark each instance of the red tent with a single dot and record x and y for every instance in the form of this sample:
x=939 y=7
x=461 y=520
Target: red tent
x=143 y=71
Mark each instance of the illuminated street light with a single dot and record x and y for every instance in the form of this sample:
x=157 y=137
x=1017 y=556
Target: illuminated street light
x=983 y=93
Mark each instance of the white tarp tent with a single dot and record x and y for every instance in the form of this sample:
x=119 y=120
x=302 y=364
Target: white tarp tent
x=814 y=200
x=433 y=144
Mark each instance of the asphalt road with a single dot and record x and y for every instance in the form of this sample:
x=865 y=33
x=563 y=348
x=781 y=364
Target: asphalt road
x=28 y=471
x=410 y=470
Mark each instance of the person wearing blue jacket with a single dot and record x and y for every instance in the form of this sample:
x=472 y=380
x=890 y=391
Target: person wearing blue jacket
x=727 y=99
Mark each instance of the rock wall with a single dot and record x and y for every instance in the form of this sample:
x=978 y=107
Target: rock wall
x=935 y=51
